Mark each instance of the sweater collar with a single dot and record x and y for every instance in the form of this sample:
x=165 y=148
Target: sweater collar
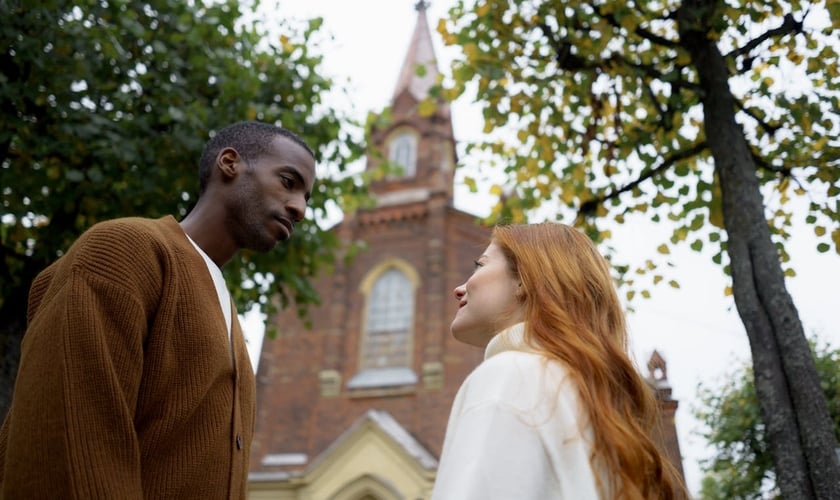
x=509 y=339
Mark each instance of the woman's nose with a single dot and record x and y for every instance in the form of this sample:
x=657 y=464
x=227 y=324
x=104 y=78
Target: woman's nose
x=460 y=291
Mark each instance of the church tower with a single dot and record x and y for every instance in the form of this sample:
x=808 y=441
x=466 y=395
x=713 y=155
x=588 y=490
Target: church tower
x=358 y=404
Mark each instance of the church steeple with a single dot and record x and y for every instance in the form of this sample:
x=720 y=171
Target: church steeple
x=415 y=135
x=419 y=70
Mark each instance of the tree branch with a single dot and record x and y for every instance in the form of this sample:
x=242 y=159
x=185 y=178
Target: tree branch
x=762 y=163
x=589 y=206
x=642 y=32
x=789 y=25
x=568 y=61
x=769 y=128
x=563 y=52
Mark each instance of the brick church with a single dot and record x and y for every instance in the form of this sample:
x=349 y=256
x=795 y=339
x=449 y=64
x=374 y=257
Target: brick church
x=355 y=408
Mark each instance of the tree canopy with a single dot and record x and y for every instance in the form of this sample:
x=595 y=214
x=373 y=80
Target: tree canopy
x=742 y=467
x=106 y=106
x=594 y=109
x=710 y=116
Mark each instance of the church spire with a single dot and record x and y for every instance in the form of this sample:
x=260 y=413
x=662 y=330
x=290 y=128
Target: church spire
x=421 y=54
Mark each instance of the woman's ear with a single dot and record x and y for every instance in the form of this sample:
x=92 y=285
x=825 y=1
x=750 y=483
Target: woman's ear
x=520 y=292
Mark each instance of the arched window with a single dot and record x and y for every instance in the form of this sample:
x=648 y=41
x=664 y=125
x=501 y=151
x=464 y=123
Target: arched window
x=390 y=313
x=403 y=152
x=386 y=340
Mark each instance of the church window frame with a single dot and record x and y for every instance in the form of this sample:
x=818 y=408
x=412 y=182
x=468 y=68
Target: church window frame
x=402 y=151
x=386 y=340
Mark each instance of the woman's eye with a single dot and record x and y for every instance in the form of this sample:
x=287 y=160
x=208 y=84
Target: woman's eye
x=477 y=264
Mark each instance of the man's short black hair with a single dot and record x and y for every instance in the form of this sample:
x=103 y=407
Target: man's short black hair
x=250 y=138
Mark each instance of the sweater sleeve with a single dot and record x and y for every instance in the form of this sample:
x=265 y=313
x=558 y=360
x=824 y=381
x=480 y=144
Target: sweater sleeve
x=70 y=428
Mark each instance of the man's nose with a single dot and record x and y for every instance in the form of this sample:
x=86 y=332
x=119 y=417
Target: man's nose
x=296 y=207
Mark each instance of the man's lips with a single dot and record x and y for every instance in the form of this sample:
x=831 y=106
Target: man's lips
x=286 y=223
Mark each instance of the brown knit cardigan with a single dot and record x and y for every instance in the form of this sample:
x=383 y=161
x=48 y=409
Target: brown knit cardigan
x=126 y=388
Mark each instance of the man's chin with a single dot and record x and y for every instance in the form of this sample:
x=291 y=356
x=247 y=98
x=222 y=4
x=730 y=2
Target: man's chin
x=264 y=245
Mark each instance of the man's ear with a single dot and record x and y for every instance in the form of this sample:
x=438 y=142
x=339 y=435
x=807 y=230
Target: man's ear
x=229 y=161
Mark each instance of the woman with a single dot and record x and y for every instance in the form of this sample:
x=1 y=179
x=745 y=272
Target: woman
x=557 y=409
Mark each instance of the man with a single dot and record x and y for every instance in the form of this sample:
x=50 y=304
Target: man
x=134 y=380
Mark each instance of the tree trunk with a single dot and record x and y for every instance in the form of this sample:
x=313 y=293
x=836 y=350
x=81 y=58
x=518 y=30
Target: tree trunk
x=799 y=430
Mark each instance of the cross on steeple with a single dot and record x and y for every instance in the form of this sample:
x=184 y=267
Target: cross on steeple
x=421 y=5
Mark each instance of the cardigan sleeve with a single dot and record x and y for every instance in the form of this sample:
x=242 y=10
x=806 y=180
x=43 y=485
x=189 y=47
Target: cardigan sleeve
x=70 y=429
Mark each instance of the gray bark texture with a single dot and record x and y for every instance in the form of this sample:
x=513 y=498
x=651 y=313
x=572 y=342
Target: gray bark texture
x=793 y=408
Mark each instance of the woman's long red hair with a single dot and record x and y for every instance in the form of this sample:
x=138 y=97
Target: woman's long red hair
x=572 y=311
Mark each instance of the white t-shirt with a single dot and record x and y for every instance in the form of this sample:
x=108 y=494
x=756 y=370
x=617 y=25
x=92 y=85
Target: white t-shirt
x=219 y=281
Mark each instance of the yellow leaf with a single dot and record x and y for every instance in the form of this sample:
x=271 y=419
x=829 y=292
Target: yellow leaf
x=426 y=107
x=727 y=291
x=567 y=196
x=819 y=230
x=286 y=43
x=674 y=284
x=806 y=124
x=470 y=50
x=496 y=190
x=470 y=183
x=547 y=155
x=629 y=23
x=794 y=57
x=716 y=216
x=531 y=165
x=784 y=184
x=663 y=249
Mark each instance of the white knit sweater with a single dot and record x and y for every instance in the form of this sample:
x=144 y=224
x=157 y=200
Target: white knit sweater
x=517 y=430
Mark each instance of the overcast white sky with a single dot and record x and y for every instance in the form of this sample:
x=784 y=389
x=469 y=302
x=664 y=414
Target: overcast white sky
x=695 y=328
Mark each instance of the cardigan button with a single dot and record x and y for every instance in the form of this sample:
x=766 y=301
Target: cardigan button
x=238 y=442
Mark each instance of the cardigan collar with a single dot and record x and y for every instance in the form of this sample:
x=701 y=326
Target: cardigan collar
x=509 y=339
